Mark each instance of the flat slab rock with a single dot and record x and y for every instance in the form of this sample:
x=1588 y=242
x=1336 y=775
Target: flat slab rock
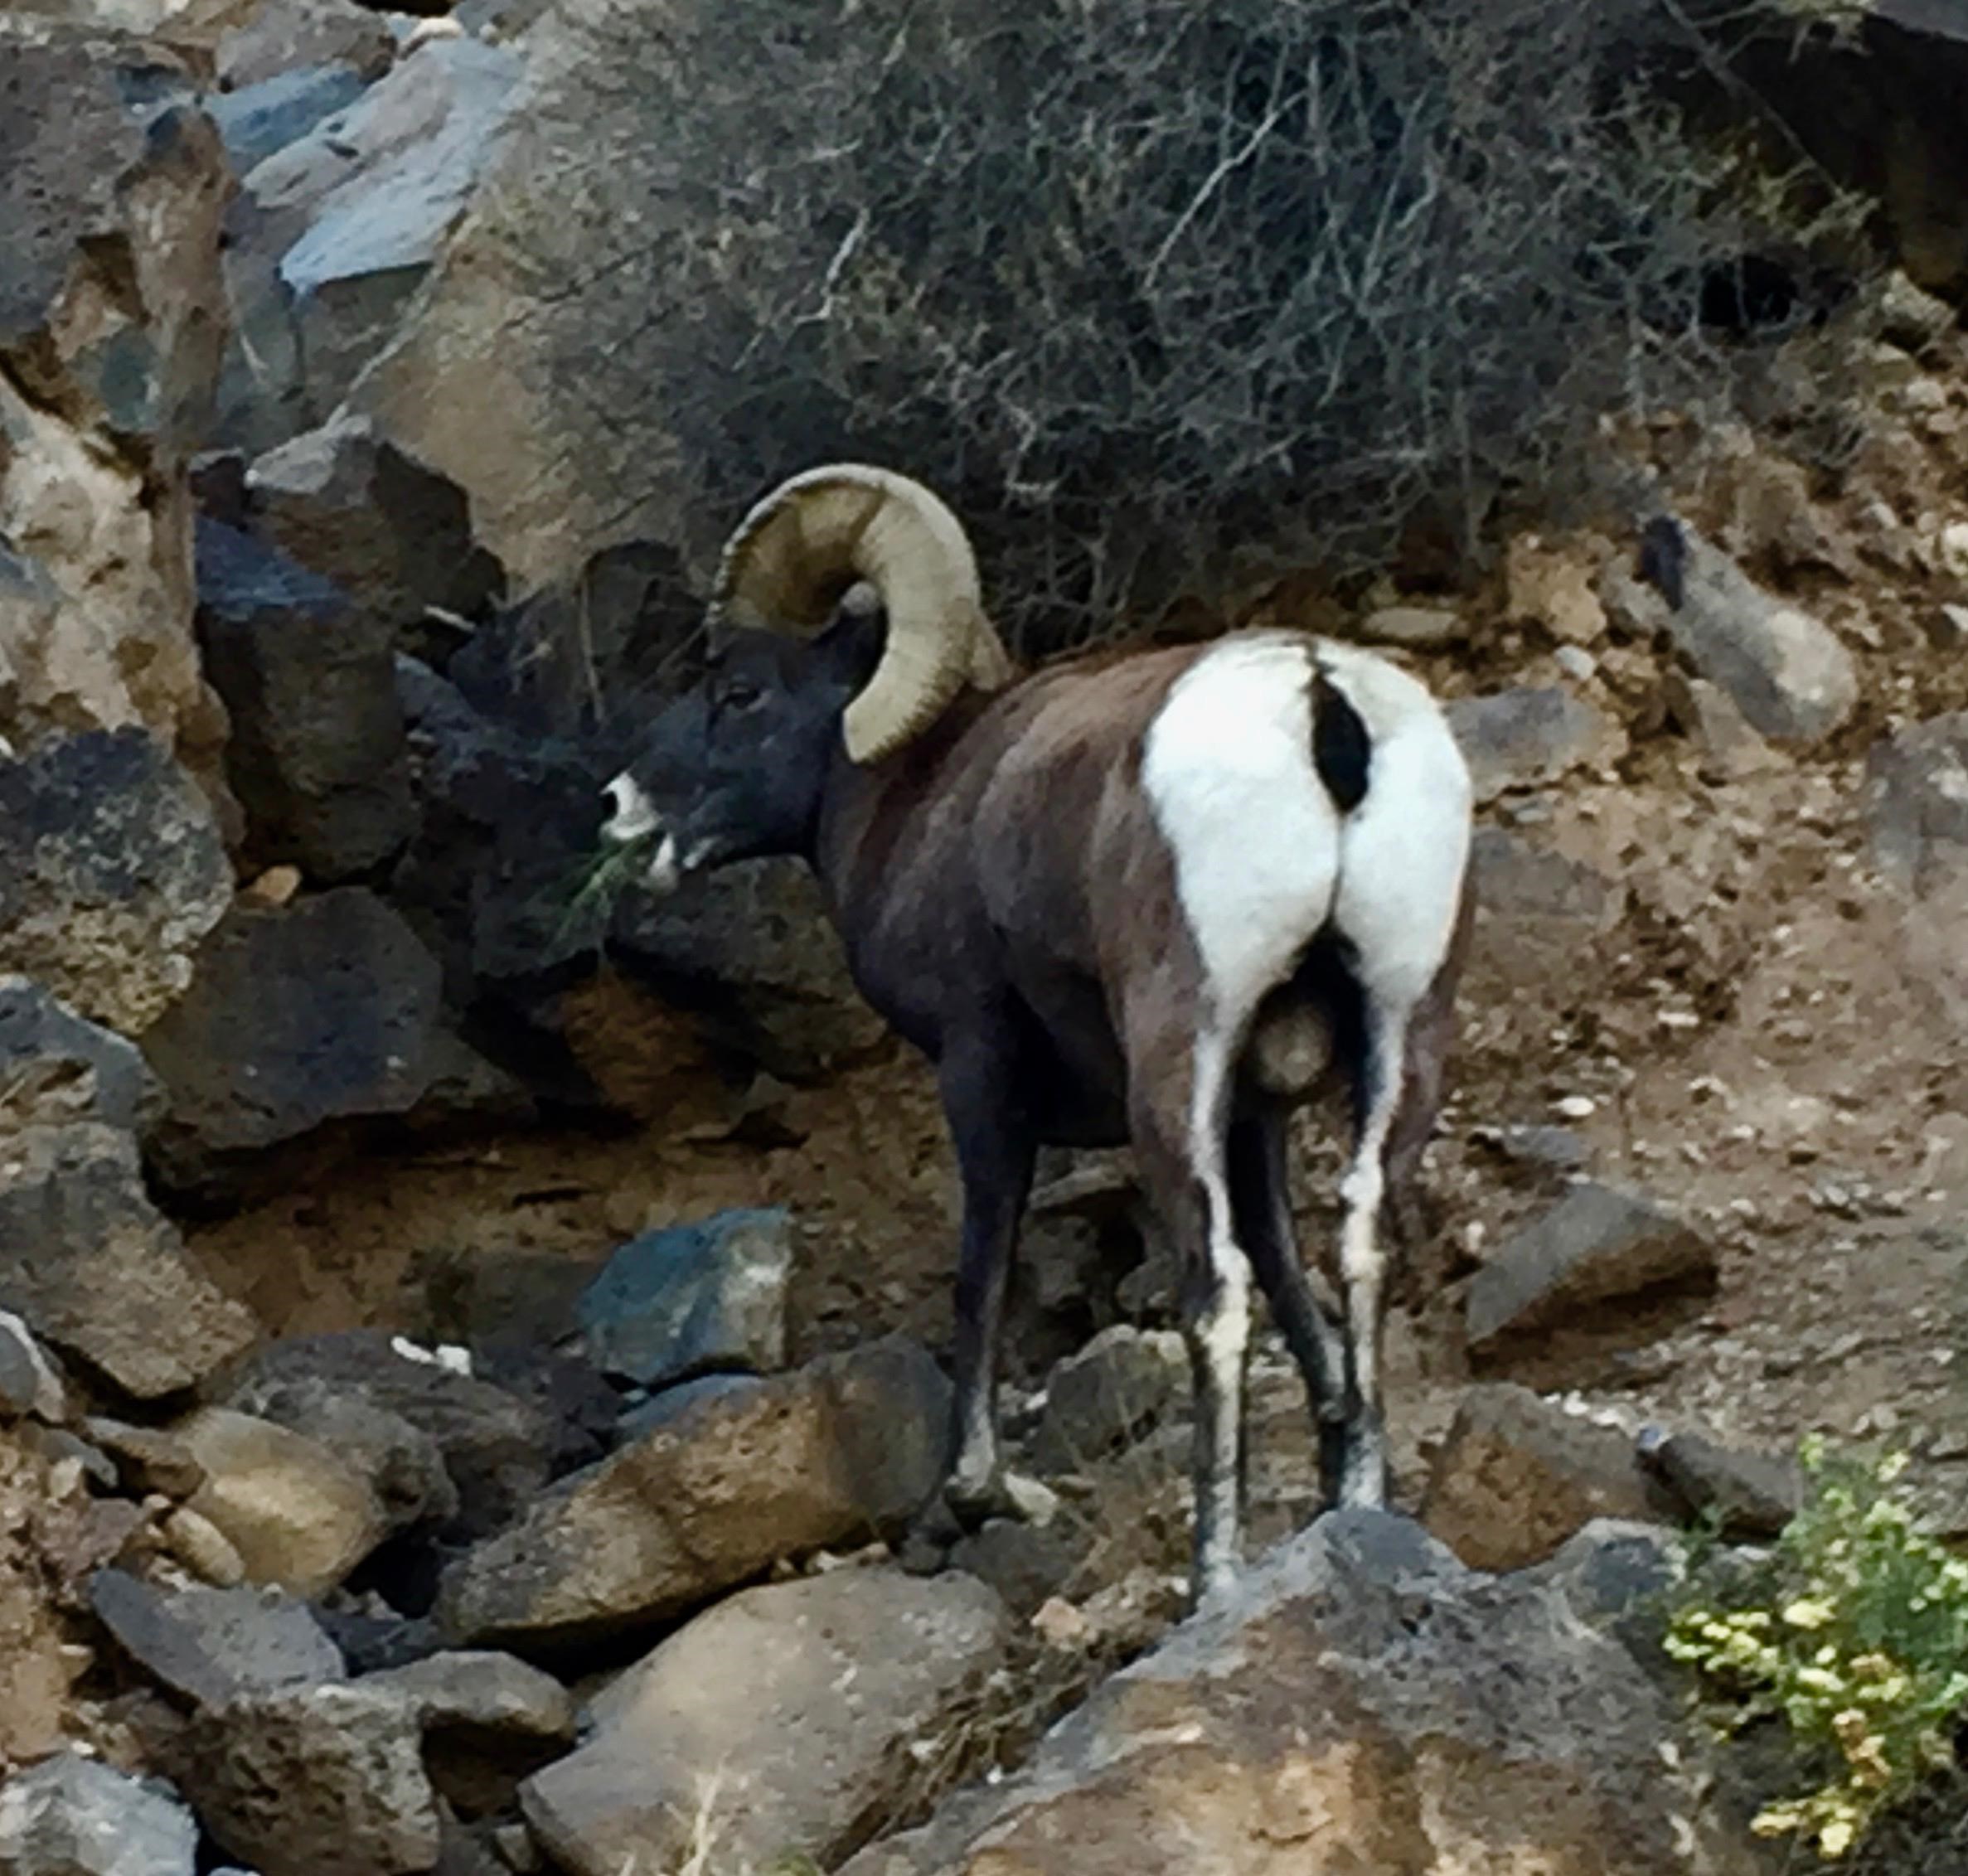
x=1340 y=1711
x=214 y=1644
x=795 y=1703
x=1597 y=1244
x=837 y=1450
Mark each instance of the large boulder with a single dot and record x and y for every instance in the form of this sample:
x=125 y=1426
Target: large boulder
x=1346 y=1708
x=844 y=1449
x=112 y=872
x=790 y=1708
x=323 y=1011
x=112 y=315
x=318 y=756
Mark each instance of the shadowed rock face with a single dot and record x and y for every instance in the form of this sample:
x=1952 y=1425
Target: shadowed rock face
x=1346 y=1710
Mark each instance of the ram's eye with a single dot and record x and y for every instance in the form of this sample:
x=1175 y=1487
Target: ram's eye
x=738 y=693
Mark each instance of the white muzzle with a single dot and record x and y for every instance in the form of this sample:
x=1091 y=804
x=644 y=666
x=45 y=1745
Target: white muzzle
x=635 y=821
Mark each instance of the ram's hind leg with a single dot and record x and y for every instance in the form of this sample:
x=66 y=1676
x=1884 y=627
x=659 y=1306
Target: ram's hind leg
x=1261 y=1194
x=1179 y=1120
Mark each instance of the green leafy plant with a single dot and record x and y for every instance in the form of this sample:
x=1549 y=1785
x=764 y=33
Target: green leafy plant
x=595 y=886
x=1853 y=1630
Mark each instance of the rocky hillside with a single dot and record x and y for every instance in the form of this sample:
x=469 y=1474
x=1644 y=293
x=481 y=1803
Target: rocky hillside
x=466 y=1349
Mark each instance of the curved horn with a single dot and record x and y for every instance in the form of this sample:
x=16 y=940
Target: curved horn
x=791 y=559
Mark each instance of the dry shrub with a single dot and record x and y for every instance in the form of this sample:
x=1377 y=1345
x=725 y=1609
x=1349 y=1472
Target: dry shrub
x=1164 y=298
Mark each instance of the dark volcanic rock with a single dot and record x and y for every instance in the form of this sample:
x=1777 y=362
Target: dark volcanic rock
x=318 y=756
x=325 y=1010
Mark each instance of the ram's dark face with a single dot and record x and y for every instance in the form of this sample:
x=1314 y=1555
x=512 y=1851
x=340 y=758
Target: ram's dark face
x=736 y=766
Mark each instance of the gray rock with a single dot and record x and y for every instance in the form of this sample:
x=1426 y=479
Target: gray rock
x=673 y=1404
x=71 y=1815
x=1789 y=674
x=1916 y=787
x=147 y=1458
x=844 y=1449
x=1597 y=1245
x=299 y=1515
x=1613 y=1572
x=1517 y=1475
x=347 y=504
x=1523 y=738
x=681 y=1301
x=1541 y=917
x=57 y=1067
x=1114 y=1390
x=1749 y=1495
x=213 y=1644
x=97 y=1270
x=495 y=1446
x=318 y=756
x=322 y=1781
x=483 y=1691
x=799 y=1699
x=1025 y=1563
x=112 y=871
x=303 y=35
x=29 y=1383
x=321 y=1010
x=258 y=119
x=1340 y=1709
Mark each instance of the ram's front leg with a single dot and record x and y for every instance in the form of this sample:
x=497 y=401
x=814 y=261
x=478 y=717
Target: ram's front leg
x=996 y=1153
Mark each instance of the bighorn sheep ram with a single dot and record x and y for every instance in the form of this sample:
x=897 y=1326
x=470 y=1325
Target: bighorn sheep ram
x=1148 y=898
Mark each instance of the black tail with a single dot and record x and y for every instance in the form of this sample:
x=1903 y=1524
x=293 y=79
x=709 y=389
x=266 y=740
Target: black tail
x=1342 y=751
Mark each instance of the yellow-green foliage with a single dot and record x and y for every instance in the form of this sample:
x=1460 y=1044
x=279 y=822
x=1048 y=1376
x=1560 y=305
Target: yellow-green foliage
x=1855 y=1630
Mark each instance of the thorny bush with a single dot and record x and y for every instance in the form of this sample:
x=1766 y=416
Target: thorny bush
x=1163 y=297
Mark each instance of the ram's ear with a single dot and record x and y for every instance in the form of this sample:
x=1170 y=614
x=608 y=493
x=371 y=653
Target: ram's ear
x=851 y=646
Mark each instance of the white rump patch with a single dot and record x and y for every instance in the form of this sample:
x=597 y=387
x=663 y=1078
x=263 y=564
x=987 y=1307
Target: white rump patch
x=1227 y=766
x=1404 y=849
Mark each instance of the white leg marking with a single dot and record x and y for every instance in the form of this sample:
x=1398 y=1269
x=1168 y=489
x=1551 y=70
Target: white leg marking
x=1223 y=1331
x=1228 y=768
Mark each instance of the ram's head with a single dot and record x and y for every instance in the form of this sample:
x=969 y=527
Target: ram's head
x=846 y=619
